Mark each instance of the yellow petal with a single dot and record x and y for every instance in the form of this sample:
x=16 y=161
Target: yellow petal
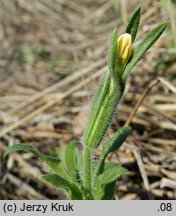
x=124 y=47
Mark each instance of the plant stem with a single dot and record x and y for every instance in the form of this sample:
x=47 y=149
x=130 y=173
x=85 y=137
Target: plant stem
x=87 y=172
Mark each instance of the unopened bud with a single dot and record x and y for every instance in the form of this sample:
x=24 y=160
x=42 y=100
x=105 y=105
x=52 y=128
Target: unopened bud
x=124 y=48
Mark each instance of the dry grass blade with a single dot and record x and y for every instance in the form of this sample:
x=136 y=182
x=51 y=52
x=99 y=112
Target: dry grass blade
x=143 y=96
x=57 y=85
x=143 y=173
x=51 y=103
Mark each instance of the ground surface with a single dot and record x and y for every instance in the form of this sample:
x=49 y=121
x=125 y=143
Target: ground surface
x=51 y=55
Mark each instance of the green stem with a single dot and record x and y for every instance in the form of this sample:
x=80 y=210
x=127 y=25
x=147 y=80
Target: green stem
x=87 y=172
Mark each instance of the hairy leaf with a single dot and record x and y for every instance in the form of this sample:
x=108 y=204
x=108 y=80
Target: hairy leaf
x=53 y=163
x=98 y=191
x=112 y=50
x=105 y=183
x=112 y=145
x=112 y=57
x=29 y=148
x=109 y=191
x=70 y=160
x=103 y=107
x=60 y=152
x=133 y=23
x=71 y=188
x=79 y=164
x=116 y=141
x=104 y=192
x=61 y=171
x=112 y=172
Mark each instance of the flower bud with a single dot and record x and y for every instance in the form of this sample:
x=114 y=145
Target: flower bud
x=124 y=48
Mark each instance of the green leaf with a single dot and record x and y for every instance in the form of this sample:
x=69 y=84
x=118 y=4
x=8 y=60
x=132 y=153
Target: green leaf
x=61 y=171
x=70 y=159
x=133 y=23
x=116 y=141
x=65 y=168
x=114 y=67
x=109 y=191
x=112 y=172
x=98 y=191
x=71 y=188
x=142 y=47
x=60 y=152
x=104 y=104
x=112 y=51
x=105 y=183
x=29 y=148
x=53 y=163
x=57 y=181
x=112 y=145
x=79 y=164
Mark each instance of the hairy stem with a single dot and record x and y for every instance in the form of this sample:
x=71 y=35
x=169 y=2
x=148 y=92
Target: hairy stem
x=87 y=172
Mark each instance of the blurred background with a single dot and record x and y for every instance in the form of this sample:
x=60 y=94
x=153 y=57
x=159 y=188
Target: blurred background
x=52 y=53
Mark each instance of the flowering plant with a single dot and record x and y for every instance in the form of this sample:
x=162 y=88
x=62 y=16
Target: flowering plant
x=73 y=169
